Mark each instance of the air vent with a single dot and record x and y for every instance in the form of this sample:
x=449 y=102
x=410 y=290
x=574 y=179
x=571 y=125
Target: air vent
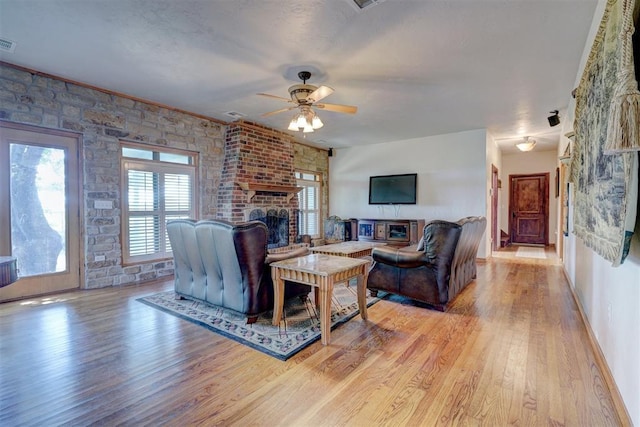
x=361 y=5
x=235 y=114
x=7 y=45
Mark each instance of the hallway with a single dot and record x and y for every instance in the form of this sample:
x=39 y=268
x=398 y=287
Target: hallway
x=545 y=255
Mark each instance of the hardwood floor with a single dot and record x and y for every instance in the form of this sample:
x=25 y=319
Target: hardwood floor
x=511 y=350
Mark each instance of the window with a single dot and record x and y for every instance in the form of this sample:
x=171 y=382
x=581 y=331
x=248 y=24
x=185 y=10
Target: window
x=309 y=202
x=158 y=186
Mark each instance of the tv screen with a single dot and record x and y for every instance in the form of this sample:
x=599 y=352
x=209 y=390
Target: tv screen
x=393 y=189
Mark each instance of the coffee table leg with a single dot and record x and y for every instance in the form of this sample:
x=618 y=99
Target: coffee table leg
x=362 y=292
x=278 y=296
x=326 y=290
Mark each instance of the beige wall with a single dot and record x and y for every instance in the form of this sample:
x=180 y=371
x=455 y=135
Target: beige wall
x=452 y=178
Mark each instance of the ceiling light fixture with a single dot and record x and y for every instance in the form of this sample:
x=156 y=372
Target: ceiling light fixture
x=306 y=120
x=527 y=145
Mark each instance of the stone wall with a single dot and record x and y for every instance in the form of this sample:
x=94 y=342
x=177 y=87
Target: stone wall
x=104 y=119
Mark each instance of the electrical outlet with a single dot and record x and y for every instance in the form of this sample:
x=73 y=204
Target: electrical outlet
x=100 y=258
x=103 y=204
x=609 y=312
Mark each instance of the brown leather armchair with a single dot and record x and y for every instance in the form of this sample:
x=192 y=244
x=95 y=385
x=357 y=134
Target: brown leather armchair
x=227 y=264
x=464 y=267
x=441 y=266
x=421 y=274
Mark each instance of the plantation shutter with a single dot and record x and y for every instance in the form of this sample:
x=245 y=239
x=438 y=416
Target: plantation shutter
x=309 y=204
x=156 y=193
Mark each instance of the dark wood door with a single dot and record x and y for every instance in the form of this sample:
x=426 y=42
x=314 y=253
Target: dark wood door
x=529 y=209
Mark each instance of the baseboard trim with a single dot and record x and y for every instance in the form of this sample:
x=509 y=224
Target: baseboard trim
x=616 y=397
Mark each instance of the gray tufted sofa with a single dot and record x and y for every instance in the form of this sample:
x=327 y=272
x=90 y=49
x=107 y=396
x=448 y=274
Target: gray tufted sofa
x=227 y=264
x=435 y=271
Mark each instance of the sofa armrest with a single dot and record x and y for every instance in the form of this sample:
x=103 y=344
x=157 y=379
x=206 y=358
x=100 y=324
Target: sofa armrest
x=398 y=257
x=298 y=252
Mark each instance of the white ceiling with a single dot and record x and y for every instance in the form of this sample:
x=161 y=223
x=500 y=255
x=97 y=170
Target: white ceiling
x=414 y=68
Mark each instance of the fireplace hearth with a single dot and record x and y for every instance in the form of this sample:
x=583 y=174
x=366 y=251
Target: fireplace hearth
x=277 y=222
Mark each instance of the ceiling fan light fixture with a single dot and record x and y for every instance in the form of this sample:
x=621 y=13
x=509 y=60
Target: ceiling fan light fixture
x=293 y=125
x=527 y=145
x=308 y=128
x=305 y=97
x=301 y=121
x=316 y=123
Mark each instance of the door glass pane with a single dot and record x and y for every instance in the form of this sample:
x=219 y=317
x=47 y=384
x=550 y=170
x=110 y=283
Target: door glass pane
x=38 y=209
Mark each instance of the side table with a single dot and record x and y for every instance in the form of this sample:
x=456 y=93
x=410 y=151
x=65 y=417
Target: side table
x=321 y=272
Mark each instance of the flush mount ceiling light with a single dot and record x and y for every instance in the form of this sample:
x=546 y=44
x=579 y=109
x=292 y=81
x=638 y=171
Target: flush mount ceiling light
x=527 y=145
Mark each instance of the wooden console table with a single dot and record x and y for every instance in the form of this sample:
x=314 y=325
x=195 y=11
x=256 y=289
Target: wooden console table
x=321 y=272
x=395 y=232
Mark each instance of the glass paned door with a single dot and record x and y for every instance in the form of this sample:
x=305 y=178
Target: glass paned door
x=37 y=187
x=39 y=223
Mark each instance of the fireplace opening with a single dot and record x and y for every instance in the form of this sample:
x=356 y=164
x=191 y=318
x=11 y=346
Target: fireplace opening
x=277 y=222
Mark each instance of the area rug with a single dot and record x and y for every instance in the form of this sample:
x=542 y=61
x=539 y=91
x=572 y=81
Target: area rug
x=529 y=252
x=299 y=327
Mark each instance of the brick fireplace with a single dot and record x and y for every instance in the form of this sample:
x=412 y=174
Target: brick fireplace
x=257 y=173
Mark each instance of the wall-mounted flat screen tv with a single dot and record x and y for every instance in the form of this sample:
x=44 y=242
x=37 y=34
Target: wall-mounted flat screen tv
x=393 y=189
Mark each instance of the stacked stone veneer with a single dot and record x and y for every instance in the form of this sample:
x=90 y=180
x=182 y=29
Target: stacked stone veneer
x=256 y=155
x=103 y=120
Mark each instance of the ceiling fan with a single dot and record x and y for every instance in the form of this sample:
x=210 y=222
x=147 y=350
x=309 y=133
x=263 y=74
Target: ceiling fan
x=305 y=98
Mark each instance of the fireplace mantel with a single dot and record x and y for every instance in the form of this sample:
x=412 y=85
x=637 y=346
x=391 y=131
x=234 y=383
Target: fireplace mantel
x=252 y=189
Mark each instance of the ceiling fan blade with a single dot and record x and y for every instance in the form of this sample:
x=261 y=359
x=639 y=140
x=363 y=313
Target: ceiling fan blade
x=338 y=108
x=282 y=110
x=318 y=94
x=275 y=96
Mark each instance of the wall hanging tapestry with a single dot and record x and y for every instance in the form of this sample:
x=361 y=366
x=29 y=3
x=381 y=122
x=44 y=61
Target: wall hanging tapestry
x=605 y=172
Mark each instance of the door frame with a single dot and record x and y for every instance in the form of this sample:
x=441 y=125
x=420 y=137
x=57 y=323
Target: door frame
x=75 y=211
x=545 y=175
x=495 y=240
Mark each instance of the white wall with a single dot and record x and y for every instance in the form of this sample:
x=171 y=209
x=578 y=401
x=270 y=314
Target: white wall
x=451 y=178
x=610 y=297
x=530 y=163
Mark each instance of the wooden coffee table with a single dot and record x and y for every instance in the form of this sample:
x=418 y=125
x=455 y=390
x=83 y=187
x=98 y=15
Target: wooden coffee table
x=351 y=249
x=322 y=272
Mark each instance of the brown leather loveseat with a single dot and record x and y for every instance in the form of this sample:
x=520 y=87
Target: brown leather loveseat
x=437 y=270
x=227 y=264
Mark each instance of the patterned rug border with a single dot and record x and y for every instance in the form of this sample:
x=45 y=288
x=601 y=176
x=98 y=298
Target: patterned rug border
x=313 y=332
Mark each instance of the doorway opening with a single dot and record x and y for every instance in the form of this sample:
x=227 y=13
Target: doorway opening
x=39 y=209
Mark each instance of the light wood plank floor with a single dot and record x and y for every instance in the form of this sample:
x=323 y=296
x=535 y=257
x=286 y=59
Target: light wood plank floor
x=512 y=350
